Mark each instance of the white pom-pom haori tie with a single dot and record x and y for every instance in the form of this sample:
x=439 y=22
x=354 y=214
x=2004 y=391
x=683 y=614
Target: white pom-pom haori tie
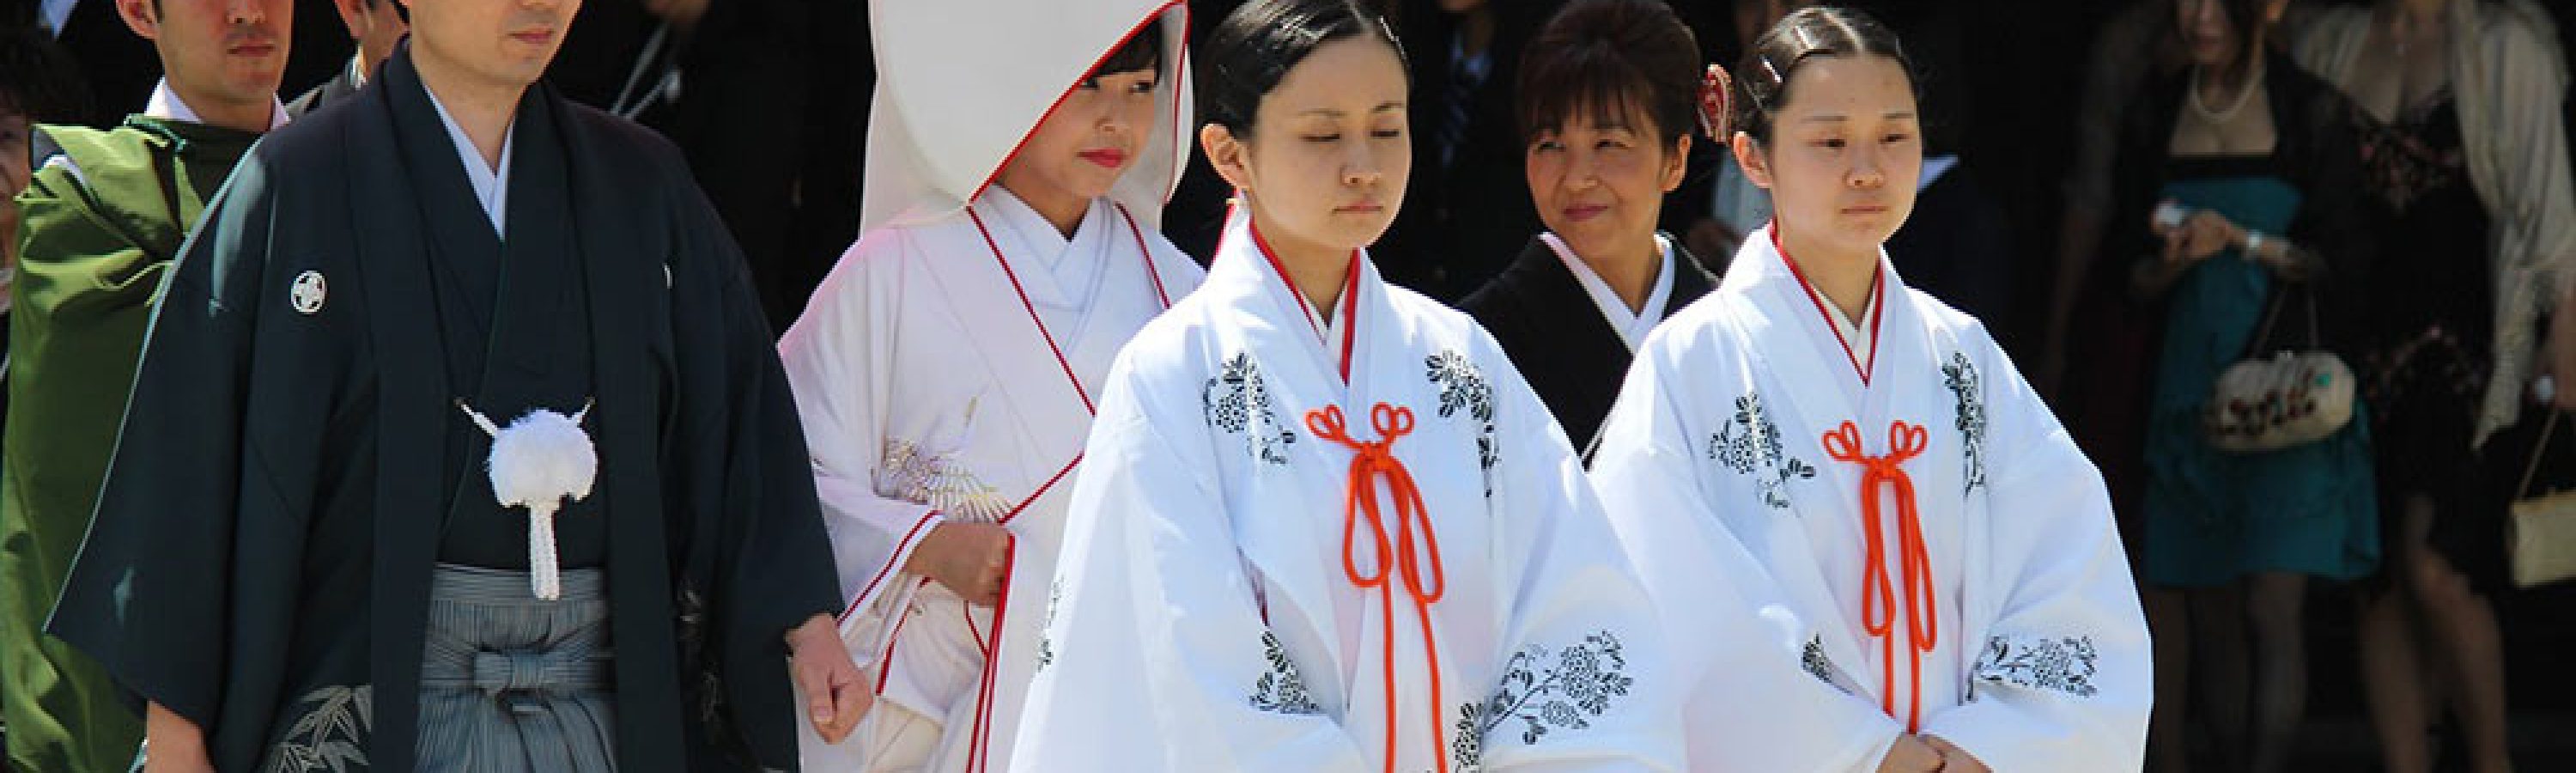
x=540 y=461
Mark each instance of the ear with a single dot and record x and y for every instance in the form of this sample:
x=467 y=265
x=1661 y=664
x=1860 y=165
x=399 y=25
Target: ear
x=1226 y=154
x=1676 y=164
x=1748 y=156
x=353 y=15
x=141 y=17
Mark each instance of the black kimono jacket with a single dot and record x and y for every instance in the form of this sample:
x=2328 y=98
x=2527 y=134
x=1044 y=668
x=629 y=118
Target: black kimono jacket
x=292 y=459
x=1558 y=339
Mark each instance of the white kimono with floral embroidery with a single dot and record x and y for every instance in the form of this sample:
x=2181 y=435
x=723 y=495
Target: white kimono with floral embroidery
x=929 y=396
x=2011 y=627
x=1220 y=607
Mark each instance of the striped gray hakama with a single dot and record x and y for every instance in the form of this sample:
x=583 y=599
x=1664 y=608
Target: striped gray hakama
x=510 y=683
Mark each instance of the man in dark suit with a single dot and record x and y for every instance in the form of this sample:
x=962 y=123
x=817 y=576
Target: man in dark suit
x=119 y=66
x=375 y=26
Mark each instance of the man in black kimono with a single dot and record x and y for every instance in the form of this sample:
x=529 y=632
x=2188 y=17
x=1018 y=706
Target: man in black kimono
x=298 y=558
x=374 y=26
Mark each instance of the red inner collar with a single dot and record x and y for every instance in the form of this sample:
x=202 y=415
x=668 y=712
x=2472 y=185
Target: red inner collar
x=1349 y=308
x=1877 y=308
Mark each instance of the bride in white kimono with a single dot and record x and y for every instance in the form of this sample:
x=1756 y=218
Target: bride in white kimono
x=947 y=369
x=1863 y=468
x=1322 y=524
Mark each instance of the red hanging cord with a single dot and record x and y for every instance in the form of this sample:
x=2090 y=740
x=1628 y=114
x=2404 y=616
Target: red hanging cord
x=1375 y=461
x=1878 y=592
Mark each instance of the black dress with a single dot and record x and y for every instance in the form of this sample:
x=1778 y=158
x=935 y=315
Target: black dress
x=2432 y=299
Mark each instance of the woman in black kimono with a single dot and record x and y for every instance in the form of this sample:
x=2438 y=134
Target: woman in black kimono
x=1608 y=95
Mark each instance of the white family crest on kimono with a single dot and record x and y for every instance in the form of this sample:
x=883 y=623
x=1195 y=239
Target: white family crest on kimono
x=307 y=293
x=1372 y=549
x=539 y=462
x=1889 y=538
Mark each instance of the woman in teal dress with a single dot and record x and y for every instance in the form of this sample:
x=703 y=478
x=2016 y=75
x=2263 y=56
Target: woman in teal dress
x=2214 y=517
x=2257 y=185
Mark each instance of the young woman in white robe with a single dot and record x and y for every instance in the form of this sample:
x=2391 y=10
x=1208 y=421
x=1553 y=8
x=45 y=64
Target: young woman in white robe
x=1862 y=466
x=947 y=369
x=1322 y=524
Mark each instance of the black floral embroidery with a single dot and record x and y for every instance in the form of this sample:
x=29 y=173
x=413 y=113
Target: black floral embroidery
x=1280 y=689
x=1238 y=400
x=1961 y=376
x=1544 y=697
x=1814 y=660
x=330 y=733
x=1751 y=443
x=2065 y=664
x=1463 y=386
x=1467 y=741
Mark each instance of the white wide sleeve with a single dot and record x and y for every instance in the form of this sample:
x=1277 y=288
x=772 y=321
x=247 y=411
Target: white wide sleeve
x=839 y=358
x=1155 y=655
x=2063 y=678
x=1587 y=682
x=1750 y=706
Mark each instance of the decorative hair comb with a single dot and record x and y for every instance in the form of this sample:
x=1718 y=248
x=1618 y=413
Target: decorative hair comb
x=1716 y=95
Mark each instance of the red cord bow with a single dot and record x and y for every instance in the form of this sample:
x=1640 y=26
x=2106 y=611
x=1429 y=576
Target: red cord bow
x=1375 y=461
x=1878 y=592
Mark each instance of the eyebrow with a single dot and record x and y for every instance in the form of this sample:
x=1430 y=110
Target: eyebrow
x=1899 y=115
x=1336 y=113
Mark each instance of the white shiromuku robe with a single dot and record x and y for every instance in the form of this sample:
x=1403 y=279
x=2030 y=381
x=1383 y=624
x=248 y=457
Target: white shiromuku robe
x=2000 y=614
x=1271 y=566
x=929 y=396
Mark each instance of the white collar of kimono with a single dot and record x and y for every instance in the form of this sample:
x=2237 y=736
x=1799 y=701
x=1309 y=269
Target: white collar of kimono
x=1327 y=328
x=491 y=184
x=1860 y=334
x=1758 y=261
x=1866 y=328
x=1334 y=328
x=1632 y=326
x=166 y=105
x=1331 y=324
x=1044 y=246
x=944 y=122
